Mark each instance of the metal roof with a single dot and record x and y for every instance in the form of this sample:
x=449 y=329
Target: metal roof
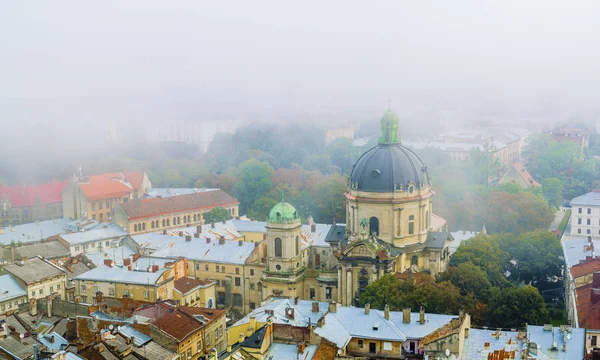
x=101 y=232
x=482 y=343
x=49 y=250
x=123 y=276
x=57 y=342
x=117 y=254
x=302 y=312
x=10 y=288
x=413 y=329
x=68 y=356
x=34 y=270
x=574 y=341
x=289 y=351
x=589 y=199
x=139 y=338
x=166 y=192
x=575 y=248
x=32 y=232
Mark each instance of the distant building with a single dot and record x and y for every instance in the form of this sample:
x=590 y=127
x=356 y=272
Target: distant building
x=518 y=174
x=340 y=133
x=195 y=292
x=21 y=204
x=39 y=277
x=575 y=135
x=147 y=215
x=93 y=197
x=585 y=214
x=98 y=237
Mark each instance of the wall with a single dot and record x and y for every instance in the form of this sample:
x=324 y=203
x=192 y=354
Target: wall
x=49 y=286
x=354 y=348
x=582 y=229
x=62 y=308
x=12 y=305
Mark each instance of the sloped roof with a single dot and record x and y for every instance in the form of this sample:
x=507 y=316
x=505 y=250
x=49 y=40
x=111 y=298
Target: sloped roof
x=27 y=195
x=590 y=199
x=109 y=185
x=122 y=276
x=585 y=267
x=10 y=288
x=104 y=232
x=524 y=174
x=183 y=285
x=140 y=209
x=182 y=322
x=32 y=232
x=34 y=270
x=303 y=314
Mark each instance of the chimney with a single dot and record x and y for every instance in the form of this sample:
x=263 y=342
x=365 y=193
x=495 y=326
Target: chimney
x=313 y=228
x=136 y=257
x=240 y=242
x=466 y=332
x=296 y=300
x=154 y=268
x=51 y=339
x=301 y=347
x=315 y=306
x=596 y=280
x=332 y=307
x=422 y=316
x=212 y=225
x=99 y=297
x=406 y=315
x=33 y=307
x=181 y=233
x=130 y=268
x=49 y=303
x=367 y=309
x=221 y=240
x=386 y=312
x=188 y=238
x=108 y=262
x=164 y=232
x=199 y=229
x=126 y=262
x=207 y=240
x=196 y=235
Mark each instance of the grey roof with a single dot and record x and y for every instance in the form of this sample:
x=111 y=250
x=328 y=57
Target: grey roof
x=10 y=288
x=388 y=166
x=139 y=338
x=249 y=226
x=117 y=254
x=574 y=340
x=123 y=276
x=573 y=248
x=474 y=348
x=349 y=322
x=166 y=192
x=337 y=233
x=49 y=250
x=414 y=330
x=589 y=199
x=68 y=356
x=436 y=240
x=104 y=232
x=19 y=348
x=231 y=252
x=34 y=270
x=459 y=237
x=153 y=350
x=309 y=238
x=32 y=232
x=302 y=312
x=58 y=344
x=13 y=321
x=81 y=224
x=290 y=351
x=220 y=229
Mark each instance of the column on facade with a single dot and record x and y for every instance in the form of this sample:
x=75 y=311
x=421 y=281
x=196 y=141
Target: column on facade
x=349 y=284
x=340 y=287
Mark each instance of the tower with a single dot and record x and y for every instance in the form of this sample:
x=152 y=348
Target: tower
x=283 y=276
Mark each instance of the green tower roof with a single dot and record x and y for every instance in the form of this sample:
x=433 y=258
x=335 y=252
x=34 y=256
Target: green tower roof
x=283 y=213
x=389 y=128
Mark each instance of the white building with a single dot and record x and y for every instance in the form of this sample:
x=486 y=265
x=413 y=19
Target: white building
x=585 y=215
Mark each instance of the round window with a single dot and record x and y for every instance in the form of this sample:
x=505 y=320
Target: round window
x=278 y=267
x=411 y=188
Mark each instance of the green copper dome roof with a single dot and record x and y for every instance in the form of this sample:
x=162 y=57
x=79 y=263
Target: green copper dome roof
x=283 y=213
x=389 y=128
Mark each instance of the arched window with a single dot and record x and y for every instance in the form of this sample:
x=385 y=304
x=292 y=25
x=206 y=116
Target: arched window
x=194 y=217
x=278 y=248
x=189 y=218
x=152 y=224
x=297 y=245
x=210 y=303
x=134 y=227
x=144 y=226
x=374 y=226
x=168 y=222
x=414 y=260
x=163 y=222
x=174 y=221
x=411 y=225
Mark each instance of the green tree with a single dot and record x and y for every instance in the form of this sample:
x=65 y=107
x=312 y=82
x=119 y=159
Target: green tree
x=485 y=253
x=343 y=154
x=329 y=199
x=469 y=279
x=552 y=190
x=255 y=181
x=514 y=307
x=516 y=213
x=216 y=214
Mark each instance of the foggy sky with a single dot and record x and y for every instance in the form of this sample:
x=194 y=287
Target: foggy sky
x=74 y=62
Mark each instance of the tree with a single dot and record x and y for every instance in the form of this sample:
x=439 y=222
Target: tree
x=255 y=181
x=469 y=279
x=514 y=307
x=516 y=213
x=552 y=190
x=485 y=253
x=343 y=154
x=216 y=214
x=330 y=200
x=225 y=181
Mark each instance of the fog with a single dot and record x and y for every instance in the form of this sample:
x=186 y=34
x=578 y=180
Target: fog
x=69 y=68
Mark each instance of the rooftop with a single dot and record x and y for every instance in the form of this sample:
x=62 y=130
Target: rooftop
x=104 y=231
x=49 y=250
x=110 y=185
x=302 y=312
x=585 y=267
x=185 y=321
x=32 y=232
x=488 y=344
x=53 y=341
x=577 y=248
x=166 y=192
x=139 y=338
x=574 y=341
x=413 y=329
x=140 y=209
x=34 y=270
x=524 y=174
x=590 y=199
x=21 y=196
x=184 y=285
x=288 y=351
x=309 y=238
x=122 y=276
x=19 y=348
x=10 y=288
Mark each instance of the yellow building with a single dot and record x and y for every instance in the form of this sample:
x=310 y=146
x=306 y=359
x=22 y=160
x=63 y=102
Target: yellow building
x=194 y=292
x=191 y=332
x=39 y=277
x=149 y=286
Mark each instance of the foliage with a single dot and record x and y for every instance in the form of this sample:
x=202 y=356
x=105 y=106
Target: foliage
x=516 y=213
x=514 y=307
x=552 y=189
x=469 y=279
x=254 y=182
x=483 y=251
x=329 y=198
x=216 y=214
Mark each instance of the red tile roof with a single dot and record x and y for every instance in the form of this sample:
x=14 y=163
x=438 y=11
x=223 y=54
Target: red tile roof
x=154 y=311
x=183 y=285
x=110 y=185
x=588 y=310
x=140 y=209
x=182 y=323
x=585 y=267
x=525 y=175
x=20 y=196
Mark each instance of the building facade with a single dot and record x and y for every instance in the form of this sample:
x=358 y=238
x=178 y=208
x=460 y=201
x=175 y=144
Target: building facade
x=23 y=204
x=585 y=214
x=39 y=277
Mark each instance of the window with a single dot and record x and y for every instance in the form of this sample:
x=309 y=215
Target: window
x=163 y=222
x=222 y=268
x=144 y=226
x=252 y=306
x=100 y=205
x=125 y=199
x=126 y=292
x=41 y=292
x=361 y=344
x=189 y=353
x=3 y=307
x=237 y=281
x=589 y=221
x=84 y=299
x=76 y=248
x=594 y=340
x=94 y=217
x=108 y=204
x=101 y=217
x=252 y=286
x=57 y=286
x=216 y=333
x=588 y=231
x=183 y=356
x=199 y=346
x=9 y=305
x=411 y=225
x=107 y=243
x=207 y=340
x=168 y=222
x=83 y=288
x=93 y=206
x=278 y=248
x=174 y=221
x=206 y=267
x=414 y=260
x=589 y=211
x=374 y=226
x=33 y=293
x=579 y=231
x=328 y=293
x=135 y=228
x=111 y=291
x=152 y=224
x=237 y=300
x=251 y=272
x=237 y=271
x=146 y=294
x=579 y=221
x=312 y=293
x=579 y=210
x=297 y=245
x=51 y=289
x=217 y=268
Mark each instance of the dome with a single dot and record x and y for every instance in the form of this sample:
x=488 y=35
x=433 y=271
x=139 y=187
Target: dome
x=282 y=213
x=389 y=166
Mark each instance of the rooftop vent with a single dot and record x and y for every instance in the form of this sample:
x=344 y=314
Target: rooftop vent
x=376 y=326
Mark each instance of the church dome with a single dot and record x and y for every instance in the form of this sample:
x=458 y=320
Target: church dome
x=389 y=166
x=283 y=213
